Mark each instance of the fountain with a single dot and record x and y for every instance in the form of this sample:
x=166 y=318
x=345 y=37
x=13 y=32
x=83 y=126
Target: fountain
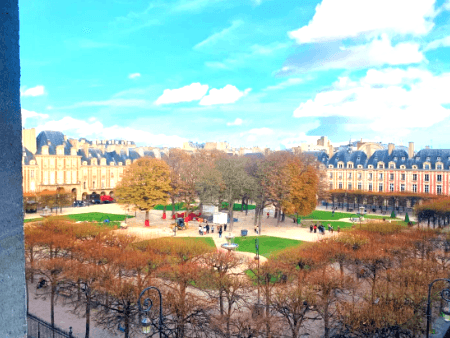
x=230 y=245
x=46 y=212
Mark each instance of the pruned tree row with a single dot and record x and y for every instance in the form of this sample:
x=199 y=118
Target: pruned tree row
x=370 y=282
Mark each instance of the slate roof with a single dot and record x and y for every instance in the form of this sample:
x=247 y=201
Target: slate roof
x=56 y=138
x=255 y=155
x=27 y=155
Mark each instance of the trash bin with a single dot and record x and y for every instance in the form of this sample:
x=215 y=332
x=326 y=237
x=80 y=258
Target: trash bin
x=244 y=232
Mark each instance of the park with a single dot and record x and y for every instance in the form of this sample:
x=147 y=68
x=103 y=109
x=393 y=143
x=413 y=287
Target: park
x=283 y=266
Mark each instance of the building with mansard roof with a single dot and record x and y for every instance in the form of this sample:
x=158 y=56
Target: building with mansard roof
x=389 y=170
x=52 y=162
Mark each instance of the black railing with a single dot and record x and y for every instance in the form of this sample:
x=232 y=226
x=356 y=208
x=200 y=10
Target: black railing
x=38 y=328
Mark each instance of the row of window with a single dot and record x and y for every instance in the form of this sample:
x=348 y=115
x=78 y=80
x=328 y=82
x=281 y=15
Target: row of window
x=391 y=187
x=426 y=166
x=391 y=176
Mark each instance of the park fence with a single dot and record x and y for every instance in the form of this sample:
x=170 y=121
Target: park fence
x=38 y=328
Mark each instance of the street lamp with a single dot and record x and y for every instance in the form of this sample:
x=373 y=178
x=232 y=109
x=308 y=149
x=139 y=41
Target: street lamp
x=146 y=307
x=445 y=295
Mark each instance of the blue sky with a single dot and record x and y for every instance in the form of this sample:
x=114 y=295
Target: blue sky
x=251 y=72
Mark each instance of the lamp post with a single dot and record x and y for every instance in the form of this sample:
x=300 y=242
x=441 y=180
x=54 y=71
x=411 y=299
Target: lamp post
x=257 y=257
x=146 y=307
x=445 y=295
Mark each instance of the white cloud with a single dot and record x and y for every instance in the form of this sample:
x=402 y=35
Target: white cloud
x=134 y=75
x=111 y=103
x=219 y=36
x=28 y=114
x=225 y=95
x=444 y=42
x=96 y=130
x=35 y=91
x=92 y=119
x=289 y=82
x=341 y=19
x=294 y=141
x=193 y=92
x=390 y=101
x=376 y=53
x=216 y=64
x=252 y=135
x=446 y=6
x=236 y=122
x=260 y=131
x=257 y=2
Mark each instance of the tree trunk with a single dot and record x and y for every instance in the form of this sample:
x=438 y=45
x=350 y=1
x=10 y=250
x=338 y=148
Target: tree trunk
x=88 y=313
x=127 y=321
x=52 y=304
x=259 y=220
x=230 y=212
x=147 y=216
x=256 y=215
x=221 y=301
x=173 y=206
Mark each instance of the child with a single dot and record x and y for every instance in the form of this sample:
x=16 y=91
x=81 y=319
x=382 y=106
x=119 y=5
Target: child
x=212 y=228
x=267 y=215
x=220 y=232
x=200 y=229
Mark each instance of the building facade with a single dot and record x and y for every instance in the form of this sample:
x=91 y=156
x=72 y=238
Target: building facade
x=52 y=162
x=389 y=170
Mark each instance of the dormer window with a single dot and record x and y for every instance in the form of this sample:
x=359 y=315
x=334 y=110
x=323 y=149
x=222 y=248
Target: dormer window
x=395 y=158
x=330 y=166
x=403 y=158
x=438 y=166
x=392 y=166
x=360 y=166
x=428 y=159
x=350 y=165
x=438 y=159
x=417 y=158
x=414 y=167
x=426 y=167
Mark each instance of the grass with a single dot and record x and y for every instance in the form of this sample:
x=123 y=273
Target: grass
x=207 y=240
x=91 y=217
x=328 y=215
x=268 y=245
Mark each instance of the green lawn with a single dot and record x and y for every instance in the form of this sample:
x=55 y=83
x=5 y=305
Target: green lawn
x=328 y=215
x=91 y=217
x=207 y=240
x=267 y=244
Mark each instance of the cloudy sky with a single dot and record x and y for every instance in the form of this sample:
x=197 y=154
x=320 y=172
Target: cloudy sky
x=251 y=72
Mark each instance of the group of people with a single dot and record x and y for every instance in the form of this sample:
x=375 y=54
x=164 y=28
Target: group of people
x=205 y=229
x=321 y=228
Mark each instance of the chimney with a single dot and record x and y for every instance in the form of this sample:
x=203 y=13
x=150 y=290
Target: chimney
x=427 y=147
x=390 y=148
x=86 y=150
x=411 y=150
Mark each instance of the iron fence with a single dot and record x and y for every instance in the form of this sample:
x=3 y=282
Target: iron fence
x=38 y=328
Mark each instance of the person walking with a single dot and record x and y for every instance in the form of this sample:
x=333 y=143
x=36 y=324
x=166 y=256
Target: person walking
x=207 y=228
x=225 y=227
x=315 y=228
x=200 y=229
x=310 y=228
x=220 y=232
x=339 y=229
x=267 y=215
x=212 y=228
x=332 y=229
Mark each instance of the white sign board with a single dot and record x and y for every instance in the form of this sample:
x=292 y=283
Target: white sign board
x=220 y=218
x=209 y=209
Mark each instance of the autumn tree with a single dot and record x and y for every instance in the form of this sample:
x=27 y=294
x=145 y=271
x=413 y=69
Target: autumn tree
x=182 y=268
x=144 y=184
x=303 y=187
x=176 y=160
x=235 y=180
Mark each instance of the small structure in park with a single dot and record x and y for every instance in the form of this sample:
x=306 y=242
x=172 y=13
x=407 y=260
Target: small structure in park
x=230 y=245
x=46 y=213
